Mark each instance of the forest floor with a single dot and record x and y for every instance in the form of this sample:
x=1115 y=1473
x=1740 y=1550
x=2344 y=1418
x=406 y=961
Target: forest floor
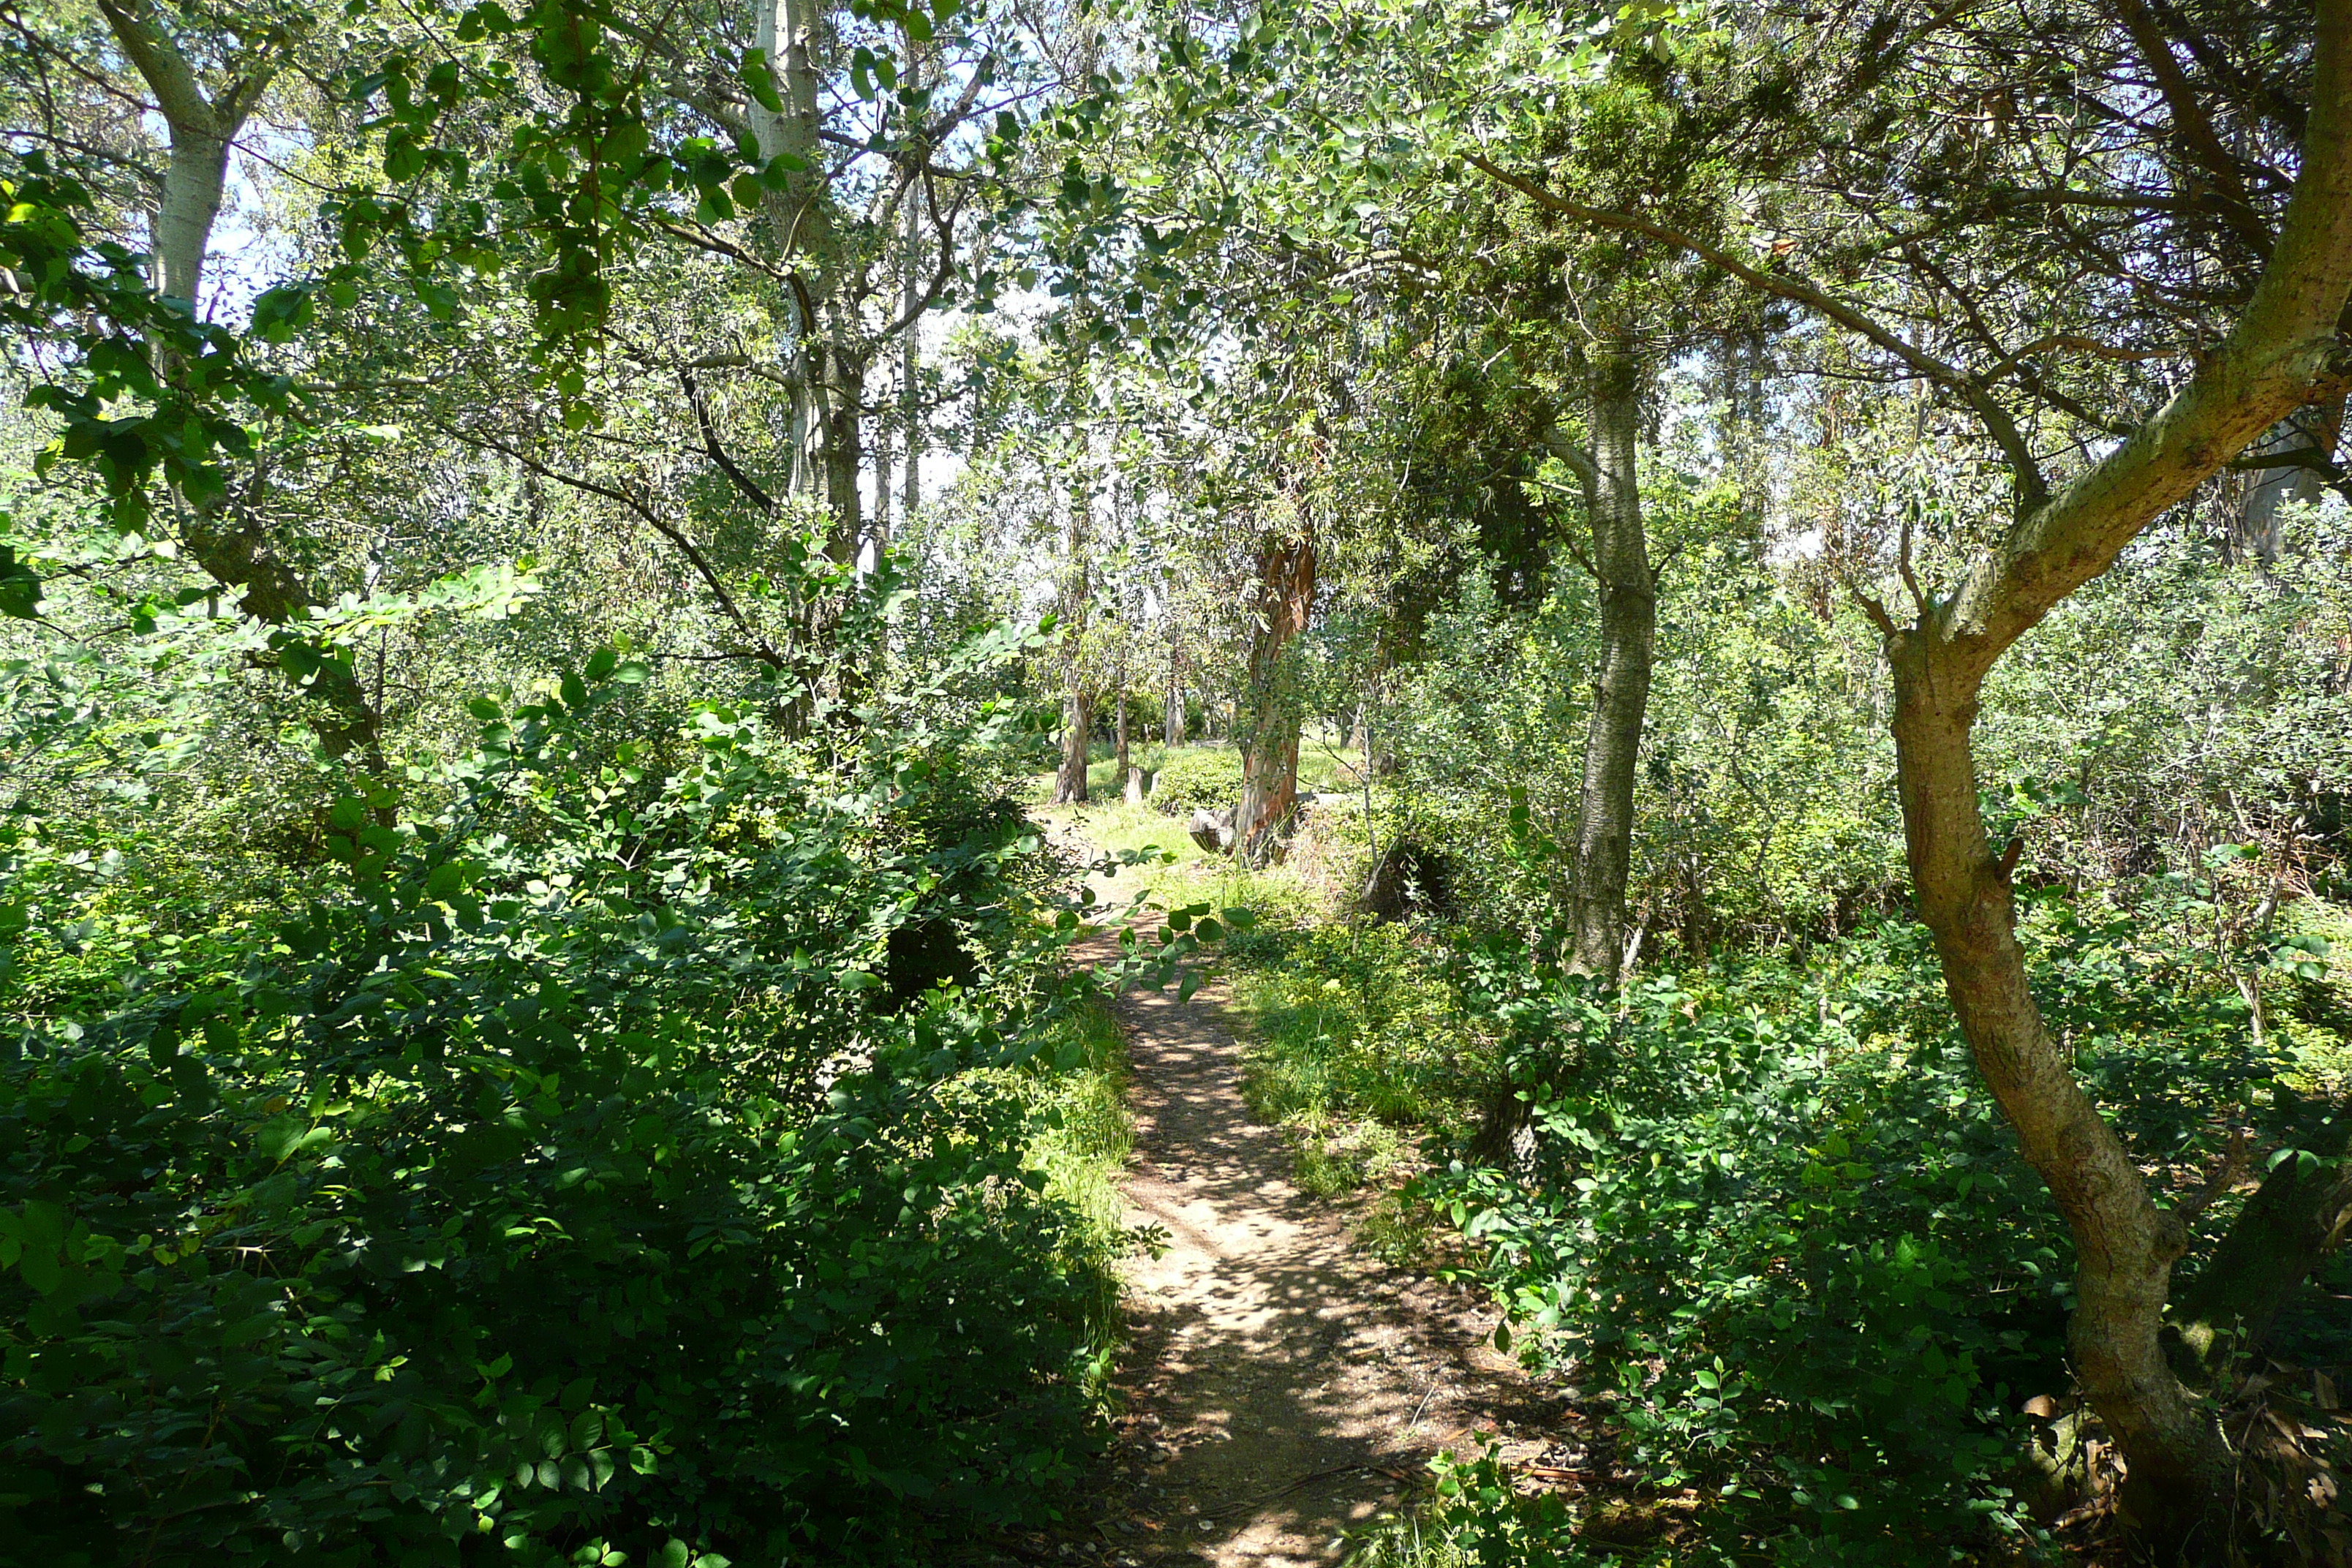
x=1279 y=1387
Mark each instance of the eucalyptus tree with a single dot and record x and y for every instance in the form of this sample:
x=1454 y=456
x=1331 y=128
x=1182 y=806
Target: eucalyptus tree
x=2119 y=242
x=835 y=173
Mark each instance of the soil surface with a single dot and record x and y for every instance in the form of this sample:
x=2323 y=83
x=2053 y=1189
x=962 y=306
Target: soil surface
x=1281 y=1387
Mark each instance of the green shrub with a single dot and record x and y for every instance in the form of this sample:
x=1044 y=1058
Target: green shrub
x=1774 y=1215
x=1202 y=778
x=588 y=1198
x=1360 y=1048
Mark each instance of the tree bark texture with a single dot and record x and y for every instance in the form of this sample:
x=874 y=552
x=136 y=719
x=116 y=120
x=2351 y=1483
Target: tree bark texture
x=1270 y=729
x=1627 y=590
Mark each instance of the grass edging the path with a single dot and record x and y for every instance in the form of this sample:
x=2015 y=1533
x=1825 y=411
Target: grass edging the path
x=1082 y=1153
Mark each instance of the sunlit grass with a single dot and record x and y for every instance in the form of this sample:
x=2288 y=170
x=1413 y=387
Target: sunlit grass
x=1358 y=1053
x=1083 y=1154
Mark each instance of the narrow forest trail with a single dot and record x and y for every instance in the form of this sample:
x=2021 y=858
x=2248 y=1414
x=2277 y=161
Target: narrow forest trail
x=1280 y=1385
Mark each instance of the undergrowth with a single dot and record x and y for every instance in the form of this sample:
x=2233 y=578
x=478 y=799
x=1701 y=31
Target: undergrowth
x=1763 y=1214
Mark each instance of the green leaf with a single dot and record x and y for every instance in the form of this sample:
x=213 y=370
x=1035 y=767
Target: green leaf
x=760 y=83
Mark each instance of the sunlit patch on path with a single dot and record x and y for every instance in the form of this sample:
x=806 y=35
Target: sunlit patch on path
x=1282 y=1387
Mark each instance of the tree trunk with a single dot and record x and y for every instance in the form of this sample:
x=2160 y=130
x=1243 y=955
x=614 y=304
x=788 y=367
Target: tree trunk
x=1173 y=729
x=232 y=549
x=2256 y=528
x=2299 y=1216
x=2125 y=1244
x=2272 y=361
x=1078 y=588
x=1120 y=764
x=1627 y=590
x=910 y=357
x=2179 y=1467
x=1077 y=731
x=1269 y=729
x=844 y=457
x=877 y=523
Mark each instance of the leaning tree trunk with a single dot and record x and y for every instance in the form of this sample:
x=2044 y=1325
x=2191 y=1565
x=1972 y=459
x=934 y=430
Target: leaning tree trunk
x=234 y=551
x=2284 y=349
x=2178 y=1484
x=2125 y=1244
x=1269 y=729
x=1628 y=613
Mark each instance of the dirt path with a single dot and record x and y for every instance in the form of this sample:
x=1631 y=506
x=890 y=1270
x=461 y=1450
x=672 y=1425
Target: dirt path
x=1280 y=1385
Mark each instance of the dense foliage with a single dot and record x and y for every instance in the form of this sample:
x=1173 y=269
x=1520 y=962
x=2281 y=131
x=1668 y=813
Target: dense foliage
x=591 y=1167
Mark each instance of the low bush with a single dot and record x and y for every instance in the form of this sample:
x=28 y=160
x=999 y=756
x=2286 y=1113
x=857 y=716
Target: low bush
x=1773 y=1214
x=558 y=1179
x=1359 y=1048
x=1196 y=778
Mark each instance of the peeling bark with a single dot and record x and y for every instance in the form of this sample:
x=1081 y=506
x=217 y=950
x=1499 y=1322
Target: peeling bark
x=1286 y=602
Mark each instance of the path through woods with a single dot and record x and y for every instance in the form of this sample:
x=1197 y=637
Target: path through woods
x=1280 y=1387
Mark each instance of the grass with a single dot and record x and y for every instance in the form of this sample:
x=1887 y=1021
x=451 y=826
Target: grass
x=1360 y=1051
x=1082 y=1155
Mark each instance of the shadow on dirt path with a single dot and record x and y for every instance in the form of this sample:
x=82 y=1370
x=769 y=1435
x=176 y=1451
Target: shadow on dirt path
x=1280 y=1385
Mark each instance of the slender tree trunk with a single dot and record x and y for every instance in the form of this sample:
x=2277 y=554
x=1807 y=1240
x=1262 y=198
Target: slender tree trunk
x=1078 y=589
x=1628 y=600
x=229 y=545
x=831 y=359
x=1077 y=733
x=878 y=524
x=844 y=456
x=1173 y=729
x=910 y=356
x=1269 y=729
x=1120 y=764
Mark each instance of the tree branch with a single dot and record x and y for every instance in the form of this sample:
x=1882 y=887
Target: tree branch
x=2283 y=343
x=1579 y=460
x=2031 y=487
x=743 y=481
